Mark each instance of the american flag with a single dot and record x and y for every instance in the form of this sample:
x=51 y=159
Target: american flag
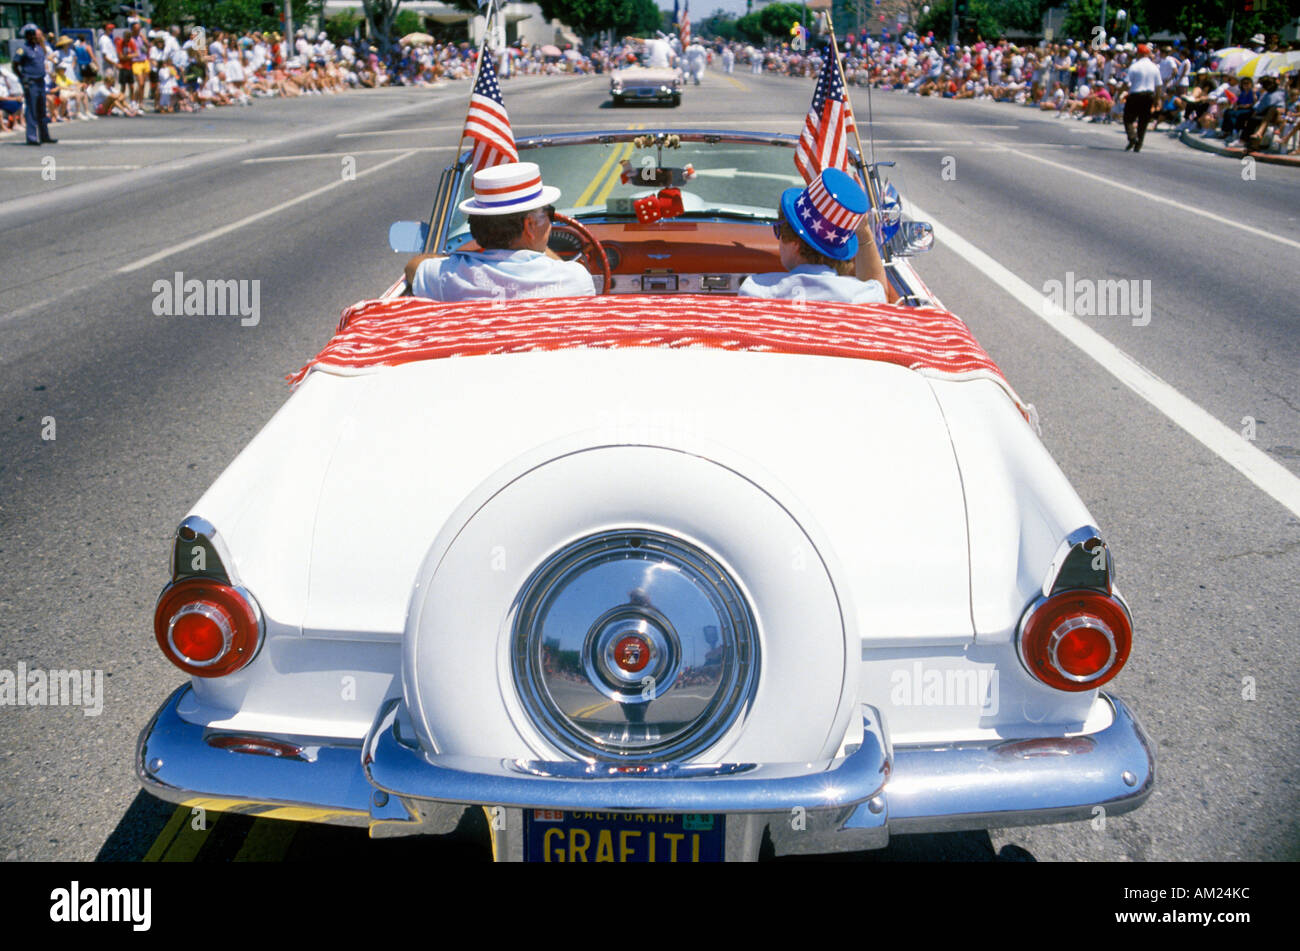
x=824 y=142
x=686 y=24
x=486 y=122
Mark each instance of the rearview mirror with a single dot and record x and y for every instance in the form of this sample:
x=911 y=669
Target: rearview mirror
x=408 y=237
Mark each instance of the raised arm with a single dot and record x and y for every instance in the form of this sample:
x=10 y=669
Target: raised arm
x=868 y=265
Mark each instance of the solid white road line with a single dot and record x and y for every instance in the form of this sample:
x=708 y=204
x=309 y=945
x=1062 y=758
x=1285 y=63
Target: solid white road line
x=67 y=168
x=1189 y=209
x=1233 y=448
x=353 y=152
x=158 y=140
x=236 y=225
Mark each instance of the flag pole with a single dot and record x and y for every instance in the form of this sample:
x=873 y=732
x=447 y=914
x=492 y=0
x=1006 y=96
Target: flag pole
x=835 y=50
x=493 y=9
x=441 y=214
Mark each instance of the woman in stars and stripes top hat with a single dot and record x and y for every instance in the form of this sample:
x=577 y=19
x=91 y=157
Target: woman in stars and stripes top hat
x=827 y=246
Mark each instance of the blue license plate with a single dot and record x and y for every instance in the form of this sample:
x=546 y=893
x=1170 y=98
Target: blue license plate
x=552 y=836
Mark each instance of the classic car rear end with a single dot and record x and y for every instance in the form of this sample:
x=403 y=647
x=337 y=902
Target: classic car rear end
x=647 y=604
x=646 y=84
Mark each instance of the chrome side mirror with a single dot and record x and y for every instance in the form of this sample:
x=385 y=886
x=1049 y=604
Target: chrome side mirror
x=408 y=237
x=913 y=237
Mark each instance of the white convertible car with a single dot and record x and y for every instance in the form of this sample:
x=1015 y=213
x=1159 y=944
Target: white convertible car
x=646 y=84
x=660 y=575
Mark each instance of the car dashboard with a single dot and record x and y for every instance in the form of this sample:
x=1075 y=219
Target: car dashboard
x=670 y=257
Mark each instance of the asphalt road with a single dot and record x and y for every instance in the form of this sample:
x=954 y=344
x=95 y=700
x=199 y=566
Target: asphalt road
x=146 y=411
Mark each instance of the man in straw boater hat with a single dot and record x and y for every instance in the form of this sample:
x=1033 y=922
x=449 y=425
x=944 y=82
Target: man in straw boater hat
x=827 y=247
x=510 y=217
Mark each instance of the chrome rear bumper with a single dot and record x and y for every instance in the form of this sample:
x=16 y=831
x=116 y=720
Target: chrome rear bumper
x=391 y=785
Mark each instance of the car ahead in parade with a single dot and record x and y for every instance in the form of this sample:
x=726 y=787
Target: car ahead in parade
x=646 y=84
x=664 y=574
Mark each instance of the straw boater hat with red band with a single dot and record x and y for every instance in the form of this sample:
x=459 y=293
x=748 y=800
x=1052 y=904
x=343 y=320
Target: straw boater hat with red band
x=509 y=189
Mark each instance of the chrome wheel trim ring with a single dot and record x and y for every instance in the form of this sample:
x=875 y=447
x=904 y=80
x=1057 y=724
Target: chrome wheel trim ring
x=736 y=632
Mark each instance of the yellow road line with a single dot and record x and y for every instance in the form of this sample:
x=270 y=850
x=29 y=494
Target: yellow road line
x=267 y=841
x=615 y=176
x=735 y=82
x=616 y=156
x=597 y=178
x=180 y=841
x=593 y=709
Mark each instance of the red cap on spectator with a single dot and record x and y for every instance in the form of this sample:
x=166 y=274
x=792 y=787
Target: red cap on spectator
x=1144 y=50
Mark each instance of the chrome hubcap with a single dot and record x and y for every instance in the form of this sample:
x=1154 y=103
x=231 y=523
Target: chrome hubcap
x=633 y=644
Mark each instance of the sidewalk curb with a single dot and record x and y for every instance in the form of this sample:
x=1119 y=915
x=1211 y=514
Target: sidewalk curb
x=1272 y=158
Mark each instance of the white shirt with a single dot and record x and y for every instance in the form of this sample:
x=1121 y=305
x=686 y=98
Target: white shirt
x=657 y=54
x=107 y=49
x=1143 y=76
x=500 y=275
x=812 y=282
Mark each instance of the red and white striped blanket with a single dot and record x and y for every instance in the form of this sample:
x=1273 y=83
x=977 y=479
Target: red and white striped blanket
x=377 y=333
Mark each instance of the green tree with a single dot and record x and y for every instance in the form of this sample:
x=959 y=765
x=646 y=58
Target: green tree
x=749 y=28
x=407 y=21
x=777 y=19
x=989 y=19
x=584 y=17
x=341 y=26
x=1082 y=17
x=641 y=17
x=1209 y=18
x=381 y=16
x=720 y=24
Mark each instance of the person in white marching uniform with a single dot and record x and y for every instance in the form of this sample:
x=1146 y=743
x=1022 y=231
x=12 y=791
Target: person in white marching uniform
x=696 y=59
x=510 y=218
x=827 y=247
x=728 y=60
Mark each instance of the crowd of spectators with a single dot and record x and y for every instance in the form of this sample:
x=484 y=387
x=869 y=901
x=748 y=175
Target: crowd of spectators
x=1070 y=79
x=136 y=69
x=133 y=69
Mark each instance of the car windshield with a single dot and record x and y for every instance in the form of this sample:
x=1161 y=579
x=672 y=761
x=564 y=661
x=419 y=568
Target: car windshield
x=724 y=179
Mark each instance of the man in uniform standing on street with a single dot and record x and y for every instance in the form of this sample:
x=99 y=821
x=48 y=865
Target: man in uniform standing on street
x=29 y=64
x=1143 y=86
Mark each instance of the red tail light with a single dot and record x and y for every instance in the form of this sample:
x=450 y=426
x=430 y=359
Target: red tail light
x=1076 y=640
x=206 y=628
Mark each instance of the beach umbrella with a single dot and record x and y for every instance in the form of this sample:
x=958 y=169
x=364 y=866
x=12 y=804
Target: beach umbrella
x=417 y=39
x=1231 y=58
x=1265 y=64
x=550 y=50
x=1290 y=61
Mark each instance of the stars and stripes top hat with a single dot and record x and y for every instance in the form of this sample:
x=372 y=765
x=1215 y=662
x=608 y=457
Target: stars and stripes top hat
x=827 y=213
x=509 y=189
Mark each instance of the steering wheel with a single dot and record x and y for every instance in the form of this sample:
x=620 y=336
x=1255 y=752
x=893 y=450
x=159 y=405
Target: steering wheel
x=588 y=239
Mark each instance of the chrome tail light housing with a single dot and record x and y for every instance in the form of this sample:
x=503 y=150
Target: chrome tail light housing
x=1076 y=640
